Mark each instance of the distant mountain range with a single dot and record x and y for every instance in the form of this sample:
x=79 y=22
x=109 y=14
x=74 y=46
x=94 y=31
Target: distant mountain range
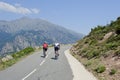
x=21 y=33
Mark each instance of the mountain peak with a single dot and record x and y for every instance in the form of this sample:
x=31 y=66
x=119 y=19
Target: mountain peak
x=25 y=32
x=25 y=17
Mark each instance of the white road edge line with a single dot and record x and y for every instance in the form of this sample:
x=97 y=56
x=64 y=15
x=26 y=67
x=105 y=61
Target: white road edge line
x=29 y=74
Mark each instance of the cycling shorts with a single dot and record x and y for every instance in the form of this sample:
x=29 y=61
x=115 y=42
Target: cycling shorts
x=45 y=49
x=56 y=48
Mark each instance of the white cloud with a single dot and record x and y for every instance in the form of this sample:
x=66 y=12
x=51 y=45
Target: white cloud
x=17 y=9
x=35 y=11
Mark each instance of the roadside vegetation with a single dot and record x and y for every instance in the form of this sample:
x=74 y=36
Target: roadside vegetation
x=100 y=51
x=9 y=60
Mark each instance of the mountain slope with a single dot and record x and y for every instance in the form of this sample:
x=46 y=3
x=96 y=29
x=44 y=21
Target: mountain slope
x=100 y=51
x=21 y=33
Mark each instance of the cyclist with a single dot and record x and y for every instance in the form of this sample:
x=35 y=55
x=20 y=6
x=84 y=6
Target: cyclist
x=56 y=48
x=45 y=47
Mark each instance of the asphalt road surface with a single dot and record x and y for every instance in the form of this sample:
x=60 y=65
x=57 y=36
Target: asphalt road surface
x=35 y=67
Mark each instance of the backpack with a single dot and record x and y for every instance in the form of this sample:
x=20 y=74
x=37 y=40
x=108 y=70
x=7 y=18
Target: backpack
x=45 y=45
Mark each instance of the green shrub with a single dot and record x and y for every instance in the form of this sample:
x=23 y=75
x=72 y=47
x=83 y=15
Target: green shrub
x=88 y=64
x=117 y=29
x=7 y=63
x=93 y=42
x=84 y=50
x=100 y=69
x=111 y=45
x=23 y=52
x=117 y=52
x=92 y=54
x=16 y=57
x=114 y=39
x=113 y=71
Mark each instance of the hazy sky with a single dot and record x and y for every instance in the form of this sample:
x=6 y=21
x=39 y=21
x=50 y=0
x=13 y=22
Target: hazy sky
x=77 y=15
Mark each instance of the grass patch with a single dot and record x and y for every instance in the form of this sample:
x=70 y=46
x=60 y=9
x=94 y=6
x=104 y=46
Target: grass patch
x=16 y=57
x=100 y=69
x=113 y=71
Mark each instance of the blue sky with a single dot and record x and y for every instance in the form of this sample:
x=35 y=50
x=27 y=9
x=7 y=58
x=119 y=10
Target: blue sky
x=77 y=15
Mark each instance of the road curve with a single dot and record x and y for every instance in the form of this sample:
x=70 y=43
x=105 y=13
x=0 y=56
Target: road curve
x=35 y=67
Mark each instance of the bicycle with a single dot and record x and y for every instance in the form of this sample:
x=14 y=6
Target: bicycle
x=56 y=54
x=44 y=52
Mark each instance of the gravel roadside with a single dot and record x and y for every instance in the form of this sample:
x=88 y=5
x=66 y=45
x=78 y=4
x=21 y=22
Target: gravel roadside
x=79 y=71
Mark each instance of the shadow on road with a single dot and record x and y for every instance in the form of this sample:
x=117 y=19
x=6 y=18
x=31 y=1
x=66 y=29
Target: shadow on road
x=53 y=58
x=43 y=56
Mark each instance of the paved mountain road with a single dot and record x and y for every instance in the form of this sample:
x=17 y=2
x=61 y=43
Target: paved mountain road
x=35 y=67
